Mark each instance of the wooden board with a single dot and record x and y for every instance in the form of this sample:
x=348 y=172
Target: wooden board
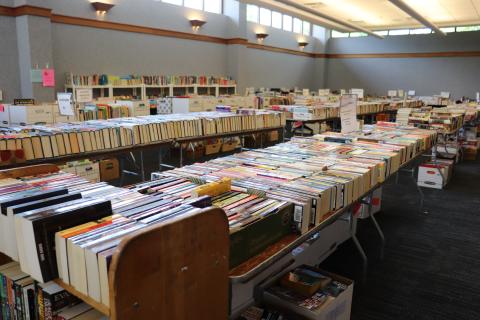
x=28 y=171
x=176 y=270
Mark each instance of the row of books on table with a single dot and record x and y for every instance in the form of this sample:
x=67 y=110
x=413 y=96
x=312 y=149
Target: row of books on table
x=49 y=141
x=447 y=120
x=328 y=110
x=58 y=225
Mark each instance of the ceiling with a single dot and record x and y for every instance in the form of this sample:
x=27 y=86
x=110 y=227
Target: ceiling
x=382 y=14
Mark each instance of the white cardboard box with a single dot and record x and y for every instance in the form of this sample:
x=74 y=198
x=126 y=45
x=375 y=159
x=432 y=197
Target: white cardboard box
x=362 y=211
x=434 y=175
x=25 y=115
x=4 y=115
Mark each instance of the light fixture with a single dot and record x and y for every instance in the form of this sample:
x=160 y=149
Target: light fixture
x=261 y=36
x=102 y=7
x=196 y=24
x=302 y=44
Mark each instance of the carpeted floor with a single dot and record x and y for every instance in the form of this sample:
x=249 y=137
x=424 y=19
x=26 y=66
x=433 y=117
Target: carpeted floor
x=431 y=265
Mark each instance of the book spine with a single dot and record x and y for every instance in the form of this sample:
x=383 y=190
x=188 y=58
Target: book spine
x=40 y=314
x=20 y=315
x=47 y=306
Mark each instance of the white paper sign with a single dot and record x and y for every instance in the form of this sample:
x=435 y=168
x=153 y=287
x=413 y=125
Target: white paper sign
x=392 y=93
x=84 y=95
x=445 y=94
x=348 y=113
x=323 y=92
x=343 y=91
x=306 y=92
x=65 y=103
x=358 y=92
x=400 y=93
x=478 y=96
x=411 y=93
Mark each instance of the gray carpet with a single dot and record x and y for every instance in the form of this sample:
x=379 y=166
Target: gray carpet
x=431 y=266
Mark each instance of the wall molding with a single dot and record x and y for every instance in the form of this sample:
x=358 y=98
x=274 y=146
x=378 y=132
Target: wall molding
x=117 y=26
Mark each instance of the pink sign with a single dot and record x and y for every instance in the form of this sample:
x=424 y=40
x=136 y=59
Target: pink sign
x=48 y=77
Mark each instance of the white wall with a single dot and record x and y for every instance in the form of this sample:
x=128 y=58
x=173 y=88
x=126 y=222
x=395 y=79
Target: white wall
x=428 y=76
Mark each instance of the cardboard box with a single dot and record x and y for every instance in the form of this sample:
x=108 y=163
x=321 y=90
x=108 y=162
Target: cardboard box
x=435 y=175
x=4 y=114
x=361 y=211
x=338 y=308
x=272 y=136
x=27 y=115
x=229 y=146
x=109 y=169
x=213 y=147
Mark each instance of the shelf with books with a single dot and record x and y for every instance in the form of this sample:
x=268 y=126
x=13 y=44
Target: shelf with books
x=144 y=91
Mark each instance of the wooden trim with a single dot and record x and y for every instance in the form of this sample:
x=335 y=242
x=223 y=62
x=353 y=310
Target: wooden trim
x=7 y=11
x=93 y=23
x=24 y=11
x=237 y=41
x=257 y=46
x=451 y=54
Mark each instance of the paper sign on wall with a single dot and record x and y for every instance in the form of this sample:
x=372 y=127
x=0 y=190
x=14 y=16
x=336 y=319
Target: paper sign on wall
x=64 y=100
x=478 y=96
x=400 y=93
x=392 y=93
x=84 y=95
x=343 y=91
x=36 y=76
x=306 y=92
x=358 y=92
x=348 y=113
x=445 y=94
x=48 y=77
x=411 y=93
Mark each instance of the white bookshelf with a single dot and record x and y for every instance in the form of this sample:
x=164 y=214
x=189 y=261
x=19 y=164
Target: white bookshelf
x=143 y=90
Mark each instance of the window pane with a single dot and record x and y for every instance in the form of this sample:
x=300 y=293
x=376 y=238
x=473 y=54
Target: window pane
x=194 y=4
x=287 y=23
x=297 y=25
x=421 y=31
x=448 y=29
x=265 y=17
x=177 y=2
x=252 y=13
x=381 y=33
x=318 y=32
x=306 y=28
x=399 y=32
x=357 y=34
x=468 y=28
x=337 y=34
x=276 y=20
x=214 y=6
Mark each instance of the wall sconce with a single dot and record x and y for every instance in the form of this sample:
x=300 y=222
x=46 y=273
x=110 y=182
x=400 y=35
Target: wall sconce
x=102 y=7
x=261 y=36
x=302 y=44
x=196 y=24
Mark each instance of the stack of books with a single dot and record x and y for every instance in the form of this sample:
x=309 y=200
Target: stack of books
x=21 y=297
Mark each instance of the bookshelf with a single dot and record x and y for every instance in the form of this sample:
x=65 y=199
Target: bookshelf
x=155 y=272
x=144 y=91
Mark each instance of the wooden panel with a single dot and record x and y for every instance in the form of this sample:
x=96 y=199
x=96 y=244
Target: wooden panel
x=176 y=270
x=92 y=23
x=28 y=171
x=279 y=50
x=452 y=54
x=6 y=11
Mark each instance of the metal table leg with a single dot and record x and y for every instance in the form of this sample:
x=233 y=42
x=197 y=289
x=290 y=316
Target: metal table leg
x=358 y=246
x=142 y=167
x=377 y=226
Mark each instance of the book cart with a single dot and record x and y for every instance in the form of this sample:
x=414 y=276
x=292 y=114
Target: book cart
x=174 y=270
x=127 y=153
